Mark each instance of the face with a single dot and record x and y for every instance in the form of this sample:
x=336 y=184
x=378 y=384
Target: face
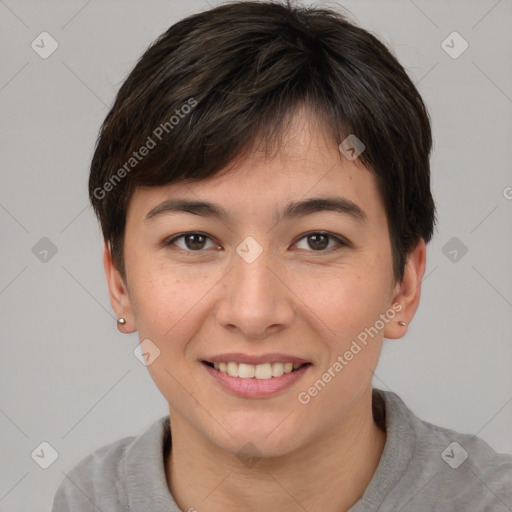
x=277 y=278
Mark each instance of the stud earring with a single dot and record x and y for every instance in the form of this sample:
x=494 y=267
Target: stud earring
x=121 y=321
x=402 y=323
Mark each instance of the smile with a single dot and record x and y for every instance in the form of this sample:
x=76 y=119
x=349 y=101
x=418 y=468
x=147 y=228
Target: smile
x=255 y=371
x=261 y=380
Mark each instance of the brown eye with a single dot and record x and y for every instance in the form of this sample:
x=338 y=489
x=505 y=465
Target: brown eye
x=195 y=241
x=192 y=242
x=320 y=241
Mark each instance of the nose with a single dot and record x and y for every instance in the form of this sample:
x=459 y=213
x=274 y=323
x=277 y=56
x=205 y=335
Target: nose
x=256 y=299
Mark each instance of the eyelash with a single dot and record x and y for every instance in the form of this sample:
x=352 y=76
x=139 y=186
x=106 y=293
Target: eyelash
x=341 y=242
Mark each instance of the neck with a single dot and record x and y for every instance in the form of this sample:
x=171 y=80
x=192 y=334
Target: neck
x=328 y=474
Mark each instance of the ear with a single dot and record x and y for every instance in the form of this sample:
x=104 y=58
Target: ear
x=407 y=292
x=118 y=291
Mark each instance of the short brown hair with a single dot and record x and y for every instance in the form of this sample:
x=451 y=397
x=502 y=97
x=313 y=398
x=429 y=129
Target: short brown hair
x=217 y=81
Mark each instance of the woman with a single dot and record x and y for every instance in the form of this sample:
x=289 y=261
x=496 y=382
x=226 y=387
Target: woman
x=263 y=186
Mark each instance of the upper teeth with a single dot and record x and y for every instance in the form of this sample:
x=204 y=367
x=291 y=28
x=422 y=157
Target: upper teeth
x=258 y=371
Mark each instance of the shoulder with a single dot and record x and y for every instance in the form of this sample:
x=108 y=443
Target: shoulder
x=469 y=471
x=445 y=469
x=106 y=479
x=97 y=477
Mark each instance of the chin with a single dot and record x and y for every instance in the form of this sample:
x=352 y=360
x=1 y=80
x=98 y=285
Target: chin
x=253 y=438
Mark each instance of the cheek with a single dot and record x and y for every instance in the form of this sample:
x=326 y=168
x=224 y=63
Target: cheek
x=347 y=309
x=345 y=299
x=169 y=302
x=170 y=313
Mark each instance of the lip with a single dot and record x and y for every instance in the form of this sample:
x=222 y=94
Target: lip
x=256 y=388
x=237 y=357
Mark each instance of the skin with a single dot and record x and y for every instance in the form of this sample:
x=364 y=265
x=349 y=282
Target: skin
x=292 y=299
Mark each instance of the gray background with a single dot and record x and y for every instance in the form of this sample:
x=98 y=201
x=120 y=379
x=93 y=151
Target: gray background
x=69 y=378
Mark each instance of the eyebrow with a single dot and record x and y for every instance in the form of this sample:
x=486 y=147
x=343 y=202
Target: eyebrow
x=292 y=209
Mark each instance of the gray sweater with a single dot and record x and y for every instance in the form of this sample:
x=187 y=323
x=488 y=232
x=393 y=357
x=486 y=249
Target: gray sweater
x=423 y=468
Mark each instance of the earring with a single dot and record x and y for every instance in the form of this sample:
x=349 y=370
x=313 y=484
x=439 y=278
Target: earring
x=121 y=321
x=402 y=323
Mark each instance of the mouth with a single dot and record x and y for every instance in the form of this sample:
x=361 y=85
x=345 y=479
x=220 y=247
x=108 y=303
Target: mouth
x=262 y=371
x=268 y=376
